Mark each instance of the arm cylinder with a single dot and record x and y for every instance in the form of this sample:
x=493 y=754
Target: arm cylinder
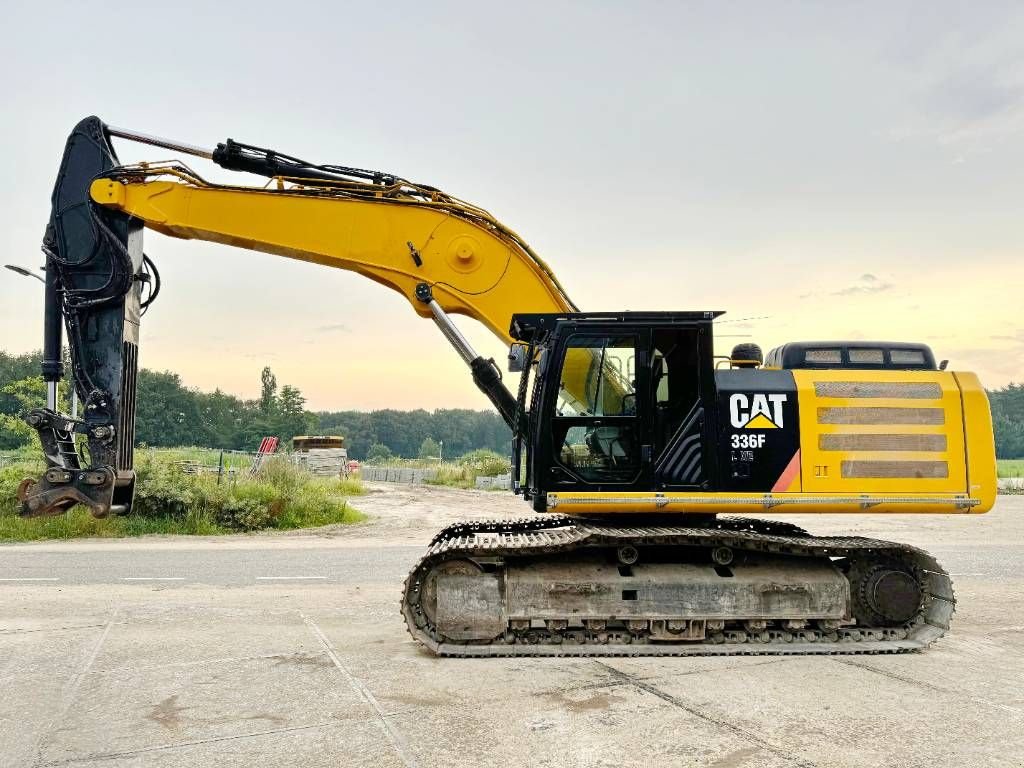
x=156 y=141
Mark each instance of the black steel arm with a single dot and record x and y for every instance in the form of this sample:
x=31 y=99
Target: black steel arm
x=94 y=272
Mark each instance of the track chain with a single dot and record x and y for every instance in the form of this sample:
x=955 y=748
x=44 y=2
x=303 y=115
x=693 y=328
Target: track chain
x=464 y=527
x=544 y=522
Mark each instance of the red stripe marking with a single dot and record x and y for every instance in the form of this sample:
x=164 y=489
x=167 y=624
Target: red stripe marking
x=788 y=474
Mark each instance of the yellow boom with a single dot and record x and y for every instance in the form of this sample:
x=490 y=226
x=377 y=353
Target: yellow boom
x=391 y=234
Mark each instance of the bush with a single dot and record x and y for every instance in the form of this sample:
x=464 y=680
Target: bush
x=429 y=448
x=379 y=454
x=486 y=463
x=10 y=476
x=463 y=472
x=281 y=474
x=162 y=490
x=247 y=514
x=283 y=496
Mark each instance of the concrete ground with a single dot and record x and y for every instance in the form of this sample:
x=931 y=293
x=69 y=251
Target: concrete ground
x=288 y=650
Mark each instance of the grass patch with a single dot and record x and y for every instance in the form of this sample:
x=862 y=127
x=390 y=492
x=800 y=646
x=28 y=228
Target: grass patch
x=235 y=462
x=454 y=476
x=458 y=473
x=1010 y=467
x=463 y=472
x=168 y=501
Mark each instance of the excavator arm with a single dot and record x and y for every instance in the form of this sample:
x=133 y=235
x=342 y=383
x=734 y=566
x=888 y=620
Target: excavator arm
x=444 y=255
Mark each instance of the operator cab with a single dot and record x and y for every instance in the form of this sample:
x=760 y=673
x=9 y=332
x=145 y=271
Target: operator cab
x=619 y=400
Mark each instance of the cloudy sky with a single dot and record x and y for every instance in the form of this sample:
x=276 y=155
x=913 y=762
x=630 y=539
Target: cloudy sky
x=851 y=171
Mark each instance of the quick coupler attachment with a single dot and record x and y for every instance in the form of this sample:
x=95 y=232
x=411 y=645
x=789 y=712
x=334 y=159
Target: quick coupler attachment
x=59 y=489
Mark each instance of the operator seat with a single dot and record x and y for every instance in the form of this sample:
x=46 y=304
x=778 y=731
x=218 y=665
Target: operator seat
x=613 y=444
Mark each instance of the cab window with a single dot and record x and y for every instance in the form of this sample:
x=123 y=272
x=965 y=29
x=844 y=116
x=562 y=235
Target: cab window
x=598 y=377
x=595 y=431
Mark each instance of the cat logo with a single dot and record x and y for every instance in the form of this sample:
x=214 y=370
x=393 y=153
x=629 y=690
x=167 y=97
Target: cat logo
x=756 y=411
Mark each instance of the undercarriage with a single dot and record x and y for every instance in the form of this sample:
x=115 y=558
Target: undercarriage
x=560 y=586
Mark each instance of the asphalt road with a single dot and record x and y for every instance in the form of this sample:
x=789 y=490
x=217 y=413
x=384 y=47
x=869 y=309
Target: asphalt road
x=278 y=562
x=288 y=650
x=254 y=565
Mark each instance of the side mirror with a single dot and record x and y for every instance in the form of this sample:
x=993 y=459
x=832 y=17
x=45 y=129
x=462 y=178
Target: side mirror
x=943 y=364
x=517 y=357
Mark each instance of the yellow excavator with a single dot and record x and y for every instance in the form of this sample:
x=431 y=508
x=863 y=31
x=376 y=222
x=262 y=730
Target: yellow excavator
x=628 y=433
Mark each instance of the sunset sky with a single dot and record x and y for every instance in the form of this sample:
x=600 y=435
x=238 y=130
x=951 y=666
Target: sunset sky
x=854 y=172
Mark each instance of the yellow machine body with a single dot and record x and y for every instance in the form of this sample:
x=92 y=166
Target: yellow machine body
x=929 y=451
x=874 y=442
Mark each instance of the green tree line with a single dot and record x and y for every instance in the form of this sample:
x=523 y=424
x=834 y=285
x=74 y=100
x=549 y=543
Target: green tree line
x=171 y=414
x=1008 y=420
x=450 y=432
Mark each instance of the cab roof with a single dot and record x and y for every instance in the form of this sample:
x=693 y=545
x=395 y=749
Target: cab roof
x=531 y=326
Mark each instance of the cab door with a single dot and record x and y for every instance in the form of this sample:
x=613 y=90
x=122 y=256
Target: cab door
x=599 y=435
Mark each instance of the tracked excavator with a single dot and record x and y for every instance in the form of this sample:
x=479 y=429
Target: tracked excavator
x=648 y=456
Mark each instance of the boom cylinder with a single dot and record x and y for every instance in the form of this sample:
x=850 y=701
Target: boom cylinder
x=486 y=375
x=452 y=333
